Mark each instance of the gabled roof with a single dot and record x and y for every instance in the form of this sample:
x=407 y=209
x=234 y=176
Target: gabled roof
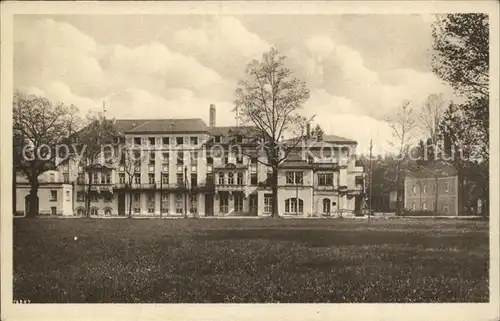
x=326 y=140
x=161 y=125
x=233 y=130
x=431 y=170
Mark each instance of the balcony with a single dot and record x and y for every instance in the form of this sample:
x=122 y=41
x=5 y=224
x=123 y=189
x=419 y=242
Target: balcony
x=324 y=187
x=230 y=188
x=135 y=186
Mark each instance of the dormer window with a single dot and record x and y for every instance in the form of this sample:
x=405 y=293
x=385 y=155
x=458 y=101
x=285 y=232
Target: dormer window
x=217 y=139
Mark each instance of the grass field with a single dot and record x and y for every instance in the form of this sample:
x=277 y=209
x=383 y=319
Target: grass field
x=250 y=260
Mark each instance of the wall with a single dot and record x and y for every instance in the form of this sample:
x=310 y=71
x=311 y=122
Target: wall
x=425 y=195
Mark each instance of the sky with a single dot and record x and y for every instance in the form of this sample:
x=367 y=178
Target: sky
x=359 y=68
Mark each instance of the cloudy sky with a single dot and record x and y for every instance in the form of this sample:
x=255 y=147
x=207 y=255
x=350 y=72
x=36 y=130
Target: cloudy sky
x=359 y=68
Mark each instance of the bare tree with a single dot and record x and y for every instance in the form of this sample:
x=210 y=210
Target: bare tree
x=269 y=99
x=132 y=160
x=40 y=126
x=92 y=142
x=403 y=124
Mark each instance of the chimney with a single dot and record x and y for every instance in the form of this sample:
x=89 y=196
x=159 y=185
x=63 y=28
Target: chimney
x=212 y=116
x=308 y=129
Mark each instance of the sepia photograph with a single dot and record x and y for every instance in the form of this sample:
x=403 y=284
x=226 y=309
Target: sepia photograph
x=244 y=157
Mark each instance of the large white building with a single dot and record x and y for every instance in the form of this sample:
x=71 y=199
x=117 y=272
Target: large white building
x=189 y=171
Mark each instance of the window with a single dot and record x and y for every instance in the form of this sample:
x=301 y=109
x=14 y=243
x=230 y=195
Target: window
x=253 y=160
x=137 y=178
x=425 y=189
x=221 y=178
x=194 y=204
x=239 y=159
x=179 y=168
x=291 y=206
x=179 y=140
x=67 y=196
x=193 y=140
x=224 y=203
x=94 y=198
x=151 y=209
x=164 y=168
x=194 y=169
x=238 y=203
x=94 y=211
x=80 y=211
x=107 y=211
x=66 y=178
x=137 y=210
x=164 y=197
x=53 y=195
x=294 y=178
x=95 y=178
x=239 y=138
x=433 y=205
x=268 y=203
x=151 y=178
x=226 y=160
x=446 y=186
x=230 y=178
x=108 y=197
x=137 y=197
x=165 y=141
x=105 y=178
x=217 y=139
x=413 y=206
x=80 y=179
x=80 y=196
x=325 y=179
x=359 y=180
x=180 y=179
x=164 y=179
x=194 y=158
x=137 y=140
x=414 y=189
x=194 y=180
x=152 y=141
x=53 y=210
x=178 y=204
x=180 y=158
x=165 y=157
x=239 y=179
x=253 y=179
x=326 y=205
x=152 y=158
x=424 y=206
x=52 y=177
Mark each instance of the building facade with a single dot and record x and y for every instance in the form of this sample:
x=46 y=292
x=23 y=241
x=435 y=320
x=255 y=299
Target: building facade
x=185 y=168
x=424 y=190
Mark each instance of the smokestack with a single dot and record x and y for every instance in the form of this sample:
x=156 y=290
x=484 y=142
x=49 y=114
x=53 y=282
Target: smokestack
x=308 y=129
x=212 y=116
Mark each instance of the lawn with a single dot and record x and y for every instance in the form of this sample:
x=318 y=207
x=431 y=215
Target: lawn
x=247 y=261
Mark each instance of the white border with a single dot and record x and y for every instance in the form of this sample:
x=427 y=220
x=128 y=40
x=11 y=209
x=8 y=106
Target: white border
x=9 y=311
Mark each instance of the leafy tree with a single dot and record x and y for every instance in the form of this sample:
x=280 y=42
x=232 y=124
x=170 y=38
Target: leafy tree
x=38 y=127
x=269 y=99
x=132 y=159
x=461 y=58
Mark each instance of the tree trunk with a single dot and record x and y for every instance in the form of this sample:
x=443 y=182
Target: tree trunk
x=129 y=188
x=436 y=182
x=33 y=199
x=87 y=201
x=274 y=185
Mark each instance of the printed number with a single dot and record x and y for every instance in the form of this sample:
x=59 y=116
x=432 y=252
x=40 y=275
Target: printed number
x=21 y=301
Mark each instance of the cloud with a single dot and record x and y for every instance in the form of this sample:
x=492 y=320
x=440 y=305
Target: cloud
x=222 y=43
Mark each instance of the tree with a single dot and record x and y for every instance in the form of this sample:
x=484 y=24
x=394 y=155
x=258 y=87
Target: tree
x=132 y=160
x=403 y=124
x=317 y=131
x=39 y=126
x=92 y=144
x=461 y=58
x=269 y=99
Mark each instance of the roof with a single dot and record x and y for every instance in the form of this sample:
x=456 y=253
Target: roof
x=161 y=125
x=432 y=170
x=226 y=130
x=325 y=141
